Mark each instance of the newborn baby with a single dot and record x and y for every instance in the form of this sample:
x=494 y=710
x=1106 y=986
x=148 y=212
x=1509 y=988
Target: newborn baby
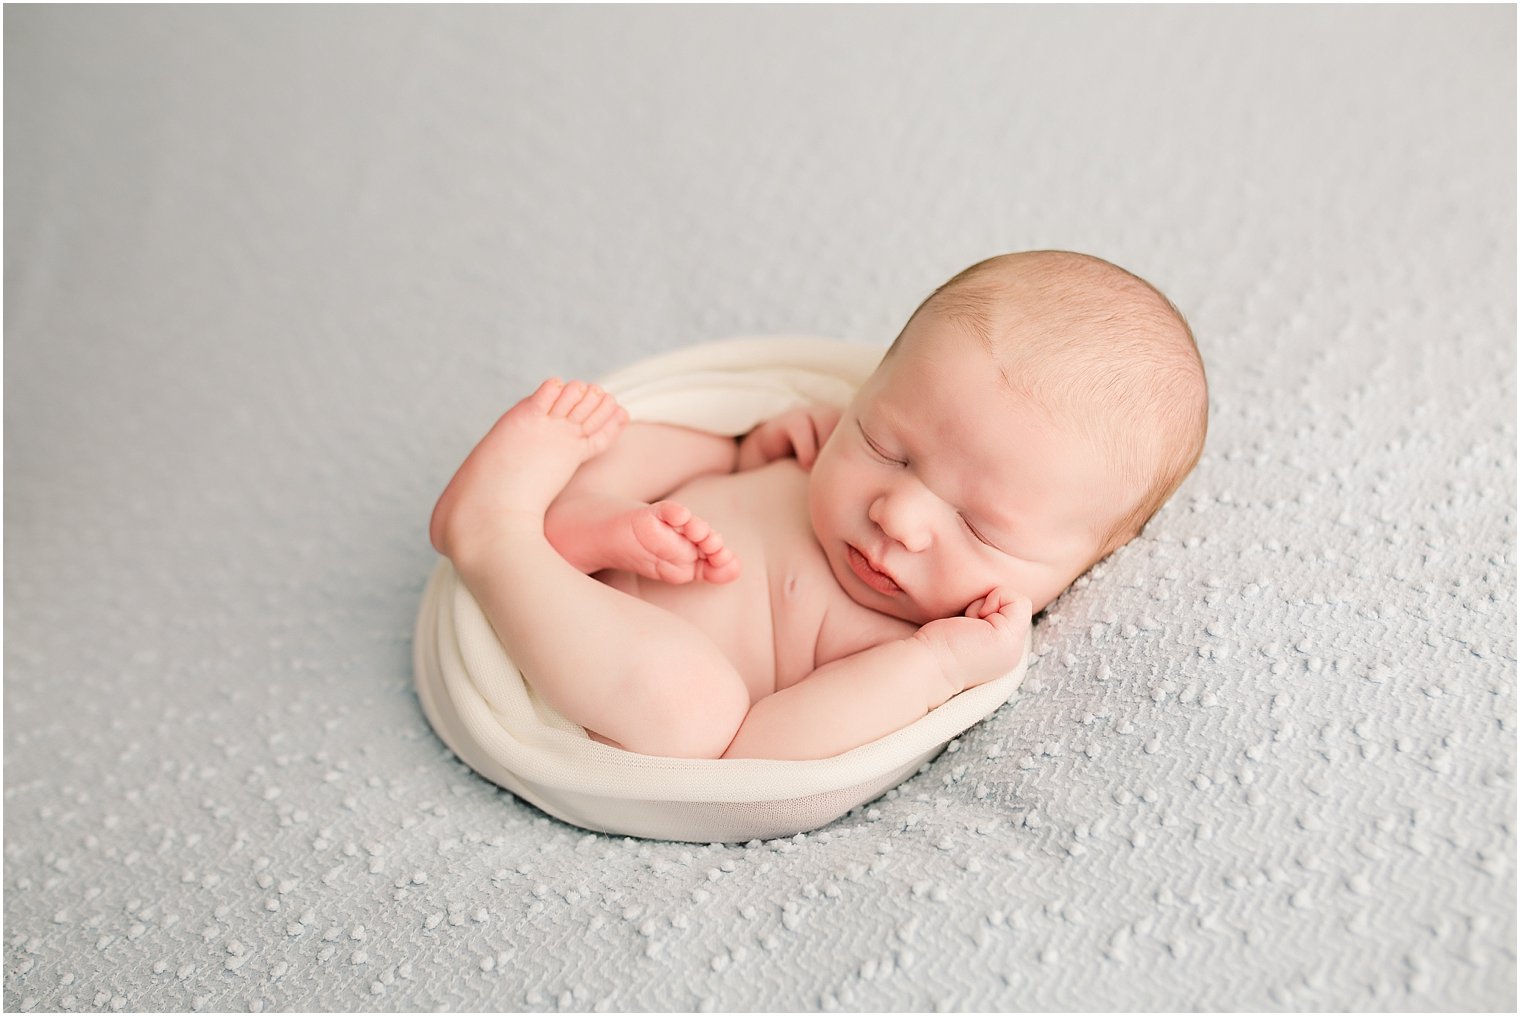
x=831 y=576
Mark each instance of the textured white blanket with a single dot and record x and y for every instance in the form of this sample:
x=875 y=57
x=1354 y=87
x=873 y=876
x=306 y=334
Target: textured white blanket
x=270 y=270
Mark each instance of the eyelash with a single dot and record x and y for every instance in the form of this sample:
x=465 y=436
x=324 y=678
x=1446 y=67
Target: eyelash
x=967 y=523
x=881 y=454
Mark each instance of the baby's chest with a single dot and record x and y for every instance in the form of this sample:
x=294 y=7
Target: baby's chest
x=767 y=622
x=802 y=595
x=785 y=615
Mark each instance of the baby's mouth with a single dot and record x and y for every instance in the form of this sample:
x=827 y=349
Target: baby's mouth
x=870 y=575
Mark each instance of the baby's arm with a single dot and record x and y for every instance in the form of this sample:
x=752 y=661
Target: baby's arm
x=855 y=700
x=798 y=433
x=650 y=460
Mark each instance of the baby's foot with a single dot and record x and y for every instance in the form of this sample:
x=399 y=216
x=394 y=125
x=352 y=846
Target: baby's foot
x=526 y=459
x=662 y=541
x=983 y=644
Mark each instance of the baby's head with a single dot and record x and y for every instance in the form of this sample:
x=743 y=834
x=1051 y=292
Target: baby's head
x=1034 y=413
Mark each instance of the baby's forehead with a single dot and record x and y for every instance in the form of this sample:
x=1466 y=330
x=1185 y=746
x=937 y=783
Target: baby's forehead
x=954 y=416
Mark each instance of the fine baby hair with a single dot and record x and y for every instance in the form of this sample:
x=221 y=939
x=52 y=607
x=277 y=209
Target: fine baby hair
x=1103 y=348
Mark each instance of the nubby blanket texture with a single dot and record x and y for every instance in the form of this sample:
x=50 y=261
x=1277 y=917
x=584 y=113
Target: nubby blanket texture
x=271 y=269
x=479 y=704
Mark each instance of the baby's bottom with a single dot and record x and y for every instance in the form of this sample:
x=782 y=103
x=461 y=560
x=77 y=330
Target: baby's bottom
x=638 y=675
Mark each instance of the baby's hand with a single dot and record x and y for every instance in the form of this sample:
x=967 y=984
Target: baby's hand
x=986 y=643
x=799 y=433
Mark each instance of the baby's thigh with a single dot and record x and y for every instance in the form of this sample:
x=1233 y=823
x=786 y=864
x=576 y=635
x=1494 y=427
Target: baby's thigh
x=680 y=702
x=676 y=693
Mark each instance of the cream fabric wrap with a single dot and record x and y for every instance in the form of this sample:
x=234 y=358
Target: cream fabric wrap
x=481 y=707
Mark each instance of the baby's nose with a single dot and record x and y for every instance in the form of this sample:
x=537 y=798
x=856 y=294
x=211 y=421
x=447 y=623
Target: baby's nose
x=896 y=517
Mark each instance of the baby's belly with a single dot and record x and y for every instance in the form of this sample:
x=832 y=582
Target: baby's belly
x=765 y=621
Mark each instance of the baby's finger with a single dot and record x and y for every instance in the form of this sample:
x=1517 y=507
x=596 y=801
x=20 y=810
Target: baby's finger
x=1018 y=608
x=774 y=441
x=805 y=444
x=985 y=607
x=819 y=435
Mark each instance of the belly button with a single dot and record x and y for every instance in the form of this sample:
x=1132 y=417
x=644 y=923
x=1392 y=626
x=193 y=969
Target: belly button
x=791 y=585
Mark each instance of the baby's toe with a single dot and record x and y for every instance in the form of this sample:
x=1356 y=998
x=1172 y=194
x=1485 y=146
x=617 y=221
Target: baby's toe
x=720 y=567
x=590 y=402
x=606 y=412
x=543 y=399
x=673 y=513
x=665 y=553
x=711 y=544
x=569 y=397
x=696 y=530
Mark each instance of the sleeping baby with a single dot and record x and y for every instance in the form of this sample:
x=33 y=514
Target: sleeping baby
x=831 y=576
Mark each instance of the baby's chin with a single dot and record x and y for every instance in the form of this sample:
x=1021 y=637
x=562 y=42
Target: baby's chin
x=898 y=606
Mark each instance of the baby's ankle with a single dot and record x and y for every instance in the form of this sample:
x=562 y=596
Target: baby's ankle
x=580 y=514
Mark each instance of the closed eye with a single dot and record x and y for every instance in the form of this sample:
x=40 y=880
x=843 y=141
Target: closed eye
x=975 y=532
x=877 y=450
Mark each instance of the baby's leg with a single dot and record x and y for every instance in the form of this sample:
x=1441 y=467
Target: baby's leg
x=630 y=671
x=604 y=518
